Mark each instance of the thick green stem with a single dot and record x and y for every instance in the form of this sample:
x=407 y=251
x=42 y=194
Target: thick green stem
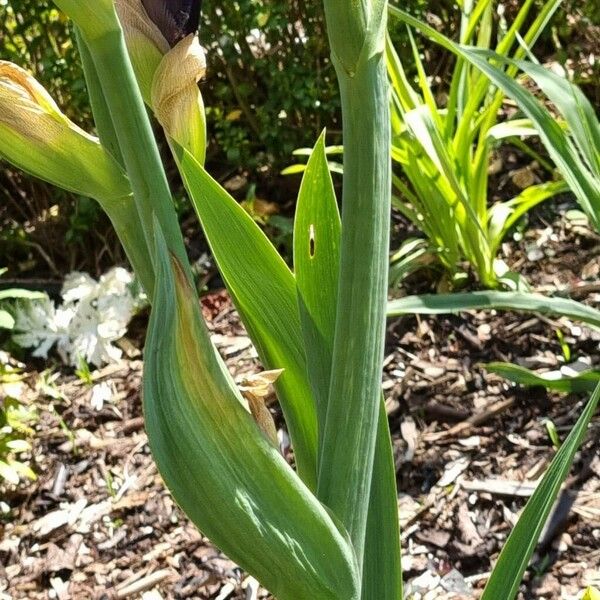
x=124 y=216
x=136 y=140
x=346 y=460
x=123 y=212
x=102 y=119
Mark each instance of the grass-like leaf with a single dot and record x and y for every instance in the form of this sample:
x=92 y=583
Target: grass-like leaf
x=574 y=151
x=585 y=381
x=439 y=304
x=445 y=153
x=516 y=553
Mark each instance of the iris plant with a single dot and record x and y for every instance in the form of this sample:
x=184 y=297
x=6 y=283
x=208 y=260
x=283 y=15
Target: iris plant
x=326 y=527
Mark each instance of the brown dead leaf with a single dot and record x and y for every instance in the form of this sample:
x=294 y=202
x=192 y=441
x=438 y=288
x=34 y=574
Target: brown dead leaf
x=255 y=389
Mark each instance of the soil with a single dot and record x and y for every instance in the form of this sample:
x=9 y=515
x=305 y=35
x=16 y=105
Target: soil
x=469 y=446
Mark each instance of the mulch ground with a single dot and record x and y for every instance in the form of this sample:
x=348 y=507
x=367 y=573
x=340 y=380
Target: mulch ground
x=469 y=447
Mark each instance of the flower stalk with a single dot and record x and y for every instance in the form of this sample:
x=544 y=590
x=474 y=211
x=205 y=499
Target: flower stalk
x=351 y=425
x=134 y=134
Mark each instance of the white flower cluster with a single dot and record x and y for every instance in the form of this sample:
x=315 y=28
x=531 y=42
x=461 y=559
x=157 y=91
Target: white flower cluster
x=92 y=316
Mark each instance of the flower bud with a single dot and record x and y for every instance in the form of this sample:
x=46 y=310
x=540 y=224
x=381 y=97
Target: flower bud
x=176 y=19
x=38 y=138
x=145 y=42
x=176 y=99
x=168 y=76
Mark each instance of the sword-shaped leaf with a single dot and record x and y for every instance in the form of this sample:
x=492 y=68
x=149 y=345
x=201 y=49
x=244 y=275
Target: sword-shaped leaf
x=514 y=558
x=274 y=324
x=317 y=231
x=439 y=304
x=264 y=292
x=219 y=466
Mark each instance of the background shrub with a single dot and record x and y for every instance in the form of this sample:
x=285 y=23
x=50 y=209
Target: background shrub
x=270 y=88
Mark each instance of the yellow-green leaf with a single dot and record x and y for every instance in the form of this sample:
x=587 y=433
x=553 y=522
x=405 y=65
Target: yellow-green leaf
x=591 y=594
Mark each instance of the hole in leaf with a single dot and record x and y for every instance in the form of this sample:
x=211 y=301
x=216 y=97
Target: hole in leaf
x=311 y=241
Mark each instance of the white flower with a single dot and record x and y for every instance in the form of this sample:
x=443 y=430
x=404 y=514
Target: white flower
x=38 y=325
x=116 y=281
x=104 y=309
x=78 y=286
x=94 y=314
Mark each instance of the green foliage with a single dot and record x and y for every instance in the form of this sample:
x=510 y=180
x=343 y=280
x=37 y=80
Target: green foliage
x=37 y=35
x=249 y=264
x=84 y=373
x=518 y=550
x=270 y=86
x=15 y=421
x=223 y=471
x=574 y=144
x=284 y=334
x=265 y=96
x=445 y=150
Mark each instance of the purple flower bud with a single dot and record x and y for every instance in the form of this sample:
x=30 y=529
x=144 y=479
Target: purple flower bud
x=175 y=18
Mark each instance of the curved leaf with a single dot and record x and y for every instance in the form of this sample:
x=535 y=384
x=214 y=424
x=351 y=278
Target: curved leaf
x=439 y=304
x=264 y=292
x=514 y=558
x=585 y=381
x=220 y=467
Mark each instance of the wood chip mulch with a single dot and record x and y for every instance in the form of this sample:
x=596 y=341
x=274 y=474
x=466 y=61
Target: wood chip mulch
x=469 y=449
